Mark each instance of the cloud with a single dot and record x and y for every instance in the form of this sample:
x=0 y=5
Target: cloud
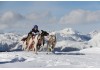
x=12 y=20
x=10 y=17
x=80 y=16
x=42 y=17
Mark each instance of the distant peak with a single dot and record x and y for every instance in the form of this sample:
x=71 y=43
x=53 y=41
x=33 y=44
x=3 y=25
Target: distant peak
x=93 y=33
x=69 y=31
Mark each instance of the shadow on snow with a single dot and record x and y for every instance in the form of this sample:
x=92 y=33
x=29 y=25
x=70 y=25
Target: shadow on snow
x=67 y=51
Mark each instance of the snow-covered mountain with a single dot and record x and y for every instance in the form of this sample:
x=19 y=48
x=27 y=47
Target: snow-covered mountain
x=69 y=39
x=8 y=41
x=93 y=33
x=70 y=34
x=66 y=38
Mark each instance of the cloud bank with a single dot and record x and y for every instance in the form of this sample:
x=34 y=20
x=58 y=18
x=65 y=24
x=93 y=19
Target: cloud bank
x=80 y=16
x=10 y=19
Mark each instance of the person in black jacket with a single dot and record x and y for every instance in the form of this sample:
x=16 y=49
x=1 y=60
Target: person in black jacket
x=34 y=31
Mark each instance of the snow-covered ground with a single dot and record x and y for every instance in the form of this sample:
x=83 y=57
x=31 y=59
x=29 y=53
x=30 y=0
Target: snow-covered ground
x=75 y=59
x=73 y=49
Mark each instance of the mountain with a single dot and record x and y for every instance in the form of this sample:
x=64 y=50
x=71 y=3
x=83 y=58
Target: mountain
x=8 y=41
x=70 y=34
x=66 y=38
x=93 y=33
x=69 y=39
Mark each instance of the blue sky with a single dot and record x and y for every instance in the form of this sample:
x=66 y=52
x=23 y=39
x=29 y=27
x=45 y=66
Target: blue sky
x=19 y=17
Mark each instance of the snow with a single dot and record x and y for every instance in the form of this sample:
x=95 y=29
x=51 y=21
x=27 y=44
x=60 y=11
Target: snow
x=68 y=31
x=9 y=41
x=70 y=34
x=72 y=44
x=73 y=50
x=93 y=50
x=68 y=60
x=93 y=33
x=95 y=41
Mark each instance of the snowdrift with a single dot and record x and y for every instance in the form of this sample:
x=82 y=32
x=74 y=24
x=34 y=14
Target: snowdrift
x=95 y=41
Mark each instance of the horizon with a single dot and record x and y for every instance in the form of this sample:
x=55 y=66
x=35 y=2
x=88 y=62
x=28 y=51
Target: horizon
x=21 y=16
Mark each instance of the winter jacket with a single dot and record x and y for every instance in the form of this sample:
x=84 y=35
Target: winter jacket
x=34 y=32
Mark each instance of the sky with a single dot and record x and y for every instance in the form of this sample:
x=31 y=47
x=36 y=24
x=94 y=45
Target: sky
x=21 y=16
